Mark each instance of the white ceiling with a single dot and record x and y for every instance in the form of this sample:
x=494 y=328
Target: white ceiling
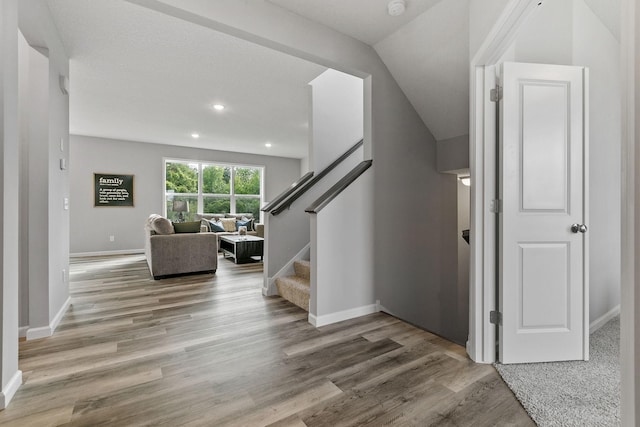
x=429 y=58
x=140 y=75
x=426 y=49
x=365 y=20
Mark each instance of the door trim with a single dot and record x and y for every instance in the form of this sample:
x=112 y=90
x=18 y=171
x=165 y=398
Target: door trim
x=481 y=345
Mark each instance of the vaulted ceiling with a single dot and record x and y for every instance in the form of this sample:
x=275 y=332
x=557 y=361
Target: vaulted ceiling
x=140 y=75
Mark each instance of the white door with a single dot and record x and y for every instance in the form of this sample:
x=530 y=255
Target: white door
x=543 y=282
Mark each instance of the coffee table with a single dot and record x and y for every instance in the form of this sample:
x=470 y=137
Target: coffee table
x=241 y=248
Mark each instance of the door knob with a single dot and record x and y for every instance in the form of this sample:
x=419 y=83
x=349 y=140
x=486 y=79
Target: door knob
x=578 y=228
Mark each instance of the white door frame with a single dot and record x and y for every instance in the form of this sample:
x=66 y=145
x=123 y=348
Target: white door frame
x=482 y=169
x=482 y=336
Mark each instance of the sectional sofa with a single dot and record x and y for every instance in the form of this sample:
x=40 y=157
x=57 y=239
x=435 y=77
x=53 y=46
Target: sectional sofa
x=169 y=252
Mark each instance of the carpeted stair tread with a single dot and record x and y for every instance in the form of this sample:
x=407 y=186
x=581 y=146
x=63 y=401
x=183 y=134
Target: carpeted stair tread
x=294 y=289
x=302 y=269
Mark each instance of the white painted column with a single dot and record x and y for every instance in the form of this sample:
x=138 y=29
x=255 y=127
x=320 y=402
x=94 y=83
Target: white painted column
x=10 y=376
x=37 y=111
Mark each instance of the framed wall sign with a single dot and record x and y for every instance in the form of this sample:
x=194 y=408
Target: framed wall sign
x=112 y=190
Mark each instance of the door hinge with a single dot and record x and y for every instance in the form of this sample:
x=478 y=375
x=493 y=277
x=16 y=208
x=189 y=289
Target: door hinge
x=495 y=206
x=495 y=317
x=496 y=94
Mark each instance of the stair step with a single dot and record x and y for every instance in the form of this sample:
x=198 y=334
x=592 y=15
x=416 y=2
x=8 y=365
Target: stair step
x=294 y=289
x=302 y=269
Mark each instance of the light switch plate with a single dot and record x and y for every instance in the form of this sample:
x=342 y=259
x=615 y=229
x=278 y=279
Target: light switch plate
x=63 y=164
x=65 y=203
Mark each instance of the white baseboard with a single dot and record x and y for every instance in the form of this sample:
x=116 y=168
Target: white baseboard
x=339 y=316
x=37 y=333
x=270 y=288
x=106 y=253
x=58 y=317
x=22 y=331
x=602 y=320
x=47 y=331
x=10 y=389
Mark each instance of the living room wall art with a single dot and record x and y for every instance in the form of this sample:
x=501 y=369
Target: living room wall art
x=112 y=190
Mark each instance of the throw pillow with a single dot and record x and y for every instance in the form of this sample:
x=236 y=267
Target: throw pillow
x=245 y=222
x=229 y=224
x=216 y=226
x=253 y=222
x=162 y=225
x=187 y=227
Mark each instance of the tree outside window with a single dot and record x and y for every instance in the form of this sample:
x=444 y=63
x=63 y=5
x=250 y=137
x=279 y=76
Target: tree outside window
x=213 y=188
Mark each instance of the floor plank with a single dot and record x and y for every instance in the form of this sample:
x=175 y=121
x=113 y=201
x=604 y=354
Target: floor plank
x=210 y=350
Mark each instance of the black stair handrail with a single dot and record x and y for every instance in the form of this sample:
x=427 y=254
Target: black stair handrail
x=286 y=193
x=339 y=187
x=310 y=183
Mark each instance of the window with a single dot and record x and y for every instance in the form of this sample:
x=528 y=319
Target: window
x=212 y=188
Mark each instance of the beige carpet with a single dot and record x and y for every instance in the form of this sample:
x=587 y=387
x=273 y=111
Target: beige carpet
x=567 y=394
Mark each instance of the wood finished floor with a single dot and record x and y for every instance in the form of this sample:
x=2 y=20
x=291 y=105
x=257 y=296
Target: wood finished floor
x=210 y=350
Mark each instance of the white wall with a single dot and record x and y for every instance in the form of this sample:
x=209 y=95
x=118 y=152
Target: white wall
x=48 y=124
x=337 y=116
x=569 y=33
x=36 y=139
x=10 y=376
x=548 y=36
x=92 y=226
x=482 y=17
x=304 y=165
x=342 y=285
x=23 y=72
x=598 y=49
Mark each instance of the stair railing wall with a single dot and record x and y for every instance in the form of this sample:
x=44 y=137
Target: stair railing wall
x=342 y=258
x=287 y=233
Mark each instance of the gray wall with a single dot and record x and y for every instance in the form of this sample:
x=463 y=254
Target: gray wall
x=48 y=246
x=10 y=377
x=464 y=205
x=92 y=226
x=414 y=206
x=453 y=154
x=568 y=33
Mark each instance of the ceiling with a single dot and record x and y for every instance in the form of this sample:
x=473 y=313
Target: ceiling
x=432 y=36
x=365 y=20
x=436 y=45
x=139 y=75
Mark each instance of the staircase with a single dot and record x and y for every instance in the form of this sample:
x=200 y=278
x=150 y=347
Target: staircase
x=296 y=288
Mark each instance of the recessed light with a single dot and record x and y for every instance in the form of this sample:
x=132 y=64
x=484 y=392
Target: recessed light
x=218 y=107
x=268 y=145
x=195 y=135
